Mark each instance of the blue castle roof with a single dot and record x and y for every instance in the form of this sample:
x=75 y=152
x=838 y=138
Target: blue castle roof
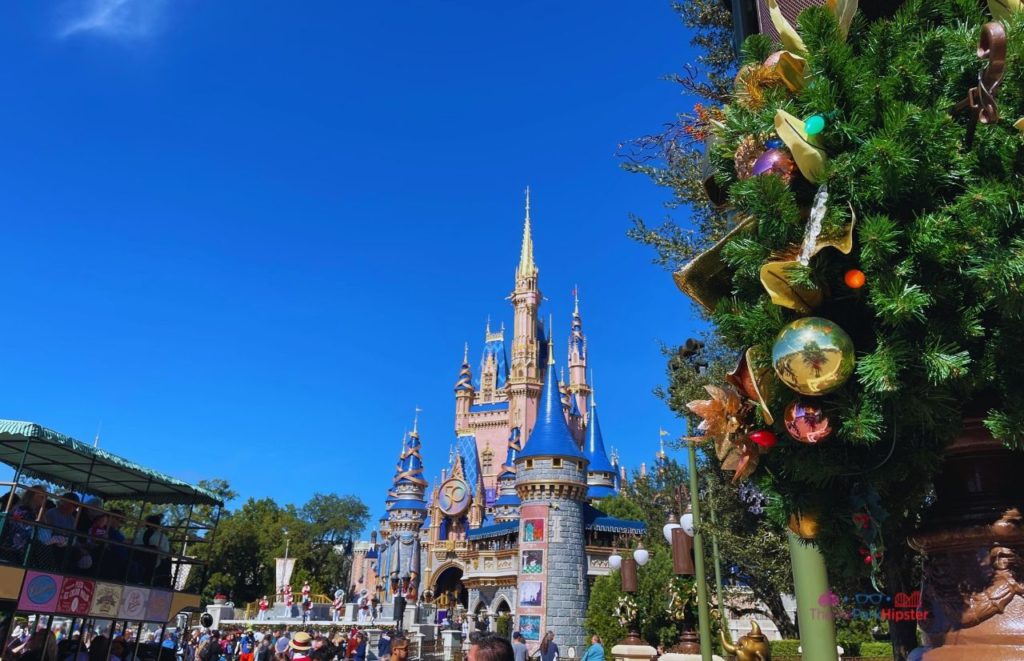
x=466 y=447
x=411 y=464
x=551 y=437
x=598 y=458
x=599 y=491
x=494 y=348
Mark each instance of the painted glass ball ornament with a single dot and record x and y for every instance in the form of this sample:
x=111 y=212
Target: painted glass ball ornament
x=775 y=161
x=813 y=356
x=814 y=124
x=774 y=143
x=764 y=438
x=807 y=423
x=854 y=278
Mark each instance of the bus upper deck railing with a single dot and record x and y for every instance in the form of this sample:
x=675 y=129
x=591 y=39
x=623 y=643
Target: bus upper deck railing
x=88 y=540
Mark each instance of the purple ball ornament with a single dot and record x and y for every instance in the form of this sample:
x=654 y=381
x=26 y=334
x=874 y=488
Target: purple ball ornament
x=775 y=161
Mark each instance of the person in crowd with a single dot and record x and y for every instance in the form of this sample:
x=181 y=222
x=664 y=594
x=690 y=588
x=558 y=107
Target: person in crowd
x=384 y=645
x=21 y=533
x=155 y=564
x=596 y=650
x=488 y=647
x=246 y=645
x=62 y=521
x=265 y=650
x=300 y=644
x=519 y=649
x=548 y=647
x=352 y=643
x=281 y=644
x=360 y=654
x=40 y=646
x=399 y=648
x=117 y=649
x=113 y=563
x=98 y=648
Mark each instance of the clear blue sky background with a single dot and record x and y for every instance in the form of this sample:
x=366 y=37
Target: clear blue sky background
x=250 y=237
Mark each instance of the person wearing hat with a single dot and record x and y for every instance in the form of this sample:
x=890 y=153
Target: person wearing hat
x=300 y=644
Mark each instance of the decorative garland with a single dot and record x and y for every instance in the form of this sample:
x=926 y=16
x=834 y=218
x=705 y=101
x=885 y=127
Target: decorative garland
x=626 y=610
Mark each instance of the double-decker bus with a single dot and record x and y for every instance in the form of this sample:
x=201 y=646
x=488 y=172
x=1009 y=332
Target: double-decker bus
x=97 y=552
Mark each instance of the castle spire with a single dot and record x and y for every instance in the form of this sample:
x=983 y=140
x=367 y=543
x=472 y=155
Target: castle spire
x=600 y=470
x=551 y=437
x=527 y=268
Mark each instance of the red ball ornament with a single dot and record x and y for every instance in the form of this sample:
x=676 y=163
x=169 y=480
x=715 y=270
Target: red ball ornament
x=854 y=279
x=763 y=437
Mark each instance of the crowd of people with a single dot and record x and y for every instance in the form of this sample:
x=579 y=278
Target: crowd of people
x=64 y=533
x=55 y=645
x=284 y=645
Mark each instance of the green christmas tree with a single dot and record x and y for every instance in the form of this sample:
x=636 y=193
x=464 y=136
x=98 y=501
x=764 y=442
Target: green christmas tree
x=889 y=213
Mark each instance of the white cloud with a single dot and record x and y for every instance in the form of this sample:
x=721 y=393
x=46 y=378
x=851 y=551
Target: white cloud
x=119 y=19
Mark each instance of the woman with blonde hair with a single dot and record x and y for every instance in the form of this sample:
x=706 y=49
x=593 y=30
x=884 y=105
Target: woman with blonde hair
x=548 y=647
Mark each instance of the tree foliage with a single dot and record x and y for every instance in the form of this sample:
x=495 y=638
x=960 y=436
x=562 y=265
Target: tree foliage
x=241 y=558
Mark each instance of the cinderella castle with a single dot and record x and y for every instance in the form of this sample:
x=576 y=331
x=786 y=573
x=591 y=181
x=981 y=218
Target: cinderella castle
x=514 y=525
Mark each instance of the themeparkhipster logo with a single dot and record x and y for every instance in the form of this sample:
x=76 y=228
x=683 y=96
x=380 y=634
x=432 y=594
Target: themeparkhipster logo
x=902 y=607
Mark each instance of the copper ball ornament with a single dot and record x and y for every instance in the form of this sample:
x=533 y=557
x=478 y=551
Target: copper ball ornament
x=806 y=422
x=775 y=161
x=813 y=356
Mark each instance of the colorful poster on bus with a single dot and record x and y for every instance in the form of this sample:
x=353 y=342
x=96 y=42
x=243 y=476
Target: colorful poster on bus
x=133 y=603
x=39 y=593
x=159 y=607
x=106 y=600
x=75 y=596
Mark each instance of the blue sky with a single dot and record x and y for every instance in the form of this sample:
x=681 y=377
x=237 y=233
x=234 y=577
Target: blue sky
x=248 y=238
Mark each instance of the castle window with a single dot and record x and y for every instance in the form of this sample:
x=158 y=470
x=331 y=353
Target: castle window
x=556 y=463
x=487 y=459
x=529 y=463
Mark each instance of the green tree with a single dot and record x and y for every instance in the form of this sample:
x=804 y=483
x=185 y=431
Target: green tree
x=333 y=522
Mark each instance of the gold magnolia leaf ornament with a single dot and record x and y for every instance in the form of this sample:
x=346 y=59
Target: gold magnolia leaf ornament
x=807 y=152
x=1002 y=10
x=777 y=274
x=788 y=35
x=1019 y=125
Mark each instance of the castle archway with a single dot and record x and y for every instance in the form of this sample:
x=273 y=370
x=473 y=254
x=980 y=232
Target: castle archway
x=448 y=587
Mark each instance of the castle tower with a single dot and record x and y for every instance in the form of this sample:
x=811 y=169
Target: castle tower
x=464 y=392
x=506 y=507
x=525 y=379
x=578 y=386
x=601 y=473
x=551 y=479
x=493 y=367
x=407 y=513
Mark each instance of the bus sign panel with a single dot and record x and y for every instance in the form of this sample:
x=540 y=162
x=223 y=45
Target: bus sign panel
x=75 y=596
x=39 y=592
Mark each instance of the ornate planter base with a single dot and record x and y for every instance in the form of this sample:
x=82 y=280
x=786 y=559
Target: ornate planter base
x=973 y=539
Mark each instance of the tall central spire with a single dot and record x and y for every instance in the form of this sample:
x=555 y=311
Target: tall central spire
x=527 y=267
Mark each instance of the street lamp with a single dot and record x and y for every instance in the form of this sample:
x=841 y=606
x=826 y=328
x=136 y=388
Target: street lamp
x=615 y=560
x=669 y=526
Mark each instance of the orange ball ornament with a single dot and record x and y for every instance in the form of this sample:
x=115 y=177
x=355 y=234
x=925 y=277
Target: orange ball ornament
x=854 y=279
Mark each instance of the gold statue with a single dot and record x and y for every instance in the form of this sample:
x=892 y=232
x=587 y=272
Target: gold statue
x=750 y=647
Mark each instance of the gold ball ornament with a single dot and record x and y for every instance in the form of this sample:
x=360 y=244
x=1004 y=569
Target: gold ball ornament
x=813 y=356
x=804 y=524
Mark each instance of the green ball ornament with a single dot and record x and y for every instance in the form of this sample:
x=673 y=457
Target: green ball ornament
x=813 y=356
x=814 y=124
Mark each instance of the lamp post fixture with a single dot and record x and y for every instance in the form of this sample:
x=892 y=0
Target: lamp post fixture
x=693 y=524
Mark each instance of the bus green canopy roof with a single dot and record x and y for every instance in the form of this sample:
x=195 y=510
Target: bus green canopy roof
x=70 y=463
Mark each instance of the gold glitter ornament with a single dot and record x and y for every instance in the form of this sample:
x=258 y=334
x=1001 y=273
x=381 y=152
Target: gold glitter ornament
x=747 y=152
